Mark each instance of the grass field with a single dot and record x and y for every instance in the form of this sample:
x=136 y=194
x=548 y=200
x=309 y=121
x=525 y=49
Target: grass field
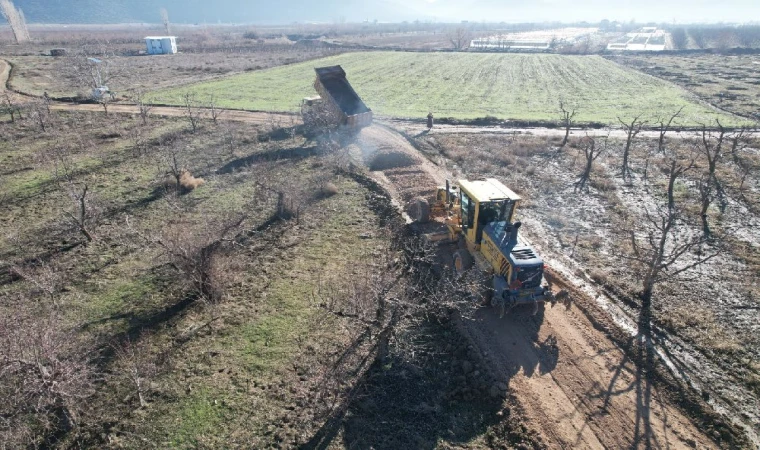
x=466 y=86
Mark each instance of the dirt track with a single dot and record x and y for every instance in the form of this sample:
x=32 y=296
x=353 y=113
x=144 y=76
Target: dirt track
x=575 y=385
x=170 y=111
x=277 y=119
x=416 y=128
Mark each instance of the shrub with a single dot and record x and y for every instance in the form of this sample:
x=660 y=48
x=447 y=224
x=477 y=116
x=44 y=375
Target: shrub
x=599 y=276
x=603 y=184
x=328 y=189
x=189 y=182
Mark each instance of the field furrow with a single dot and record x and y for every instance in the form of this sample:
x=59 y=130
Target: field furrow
x=466 y=86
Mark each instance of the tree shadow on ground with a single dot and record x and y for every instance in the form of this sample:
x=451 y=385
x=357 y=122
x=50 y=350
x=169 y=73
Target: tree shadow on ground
x=281 y=133
x=641 y=364
x=137 y=324
x=517 y=339
x=270 y=155
x=397 y=404
x=441 y=395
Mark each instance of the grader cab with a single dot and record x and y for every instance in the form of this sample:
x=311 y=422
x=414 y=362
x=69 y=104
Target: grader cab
x=480 y=216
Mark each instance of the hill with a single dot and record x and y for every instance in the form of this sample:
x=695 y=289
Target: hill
x=198 y=11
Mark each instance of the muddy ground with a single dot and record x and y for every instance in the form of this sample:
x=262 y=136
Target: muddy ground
x=706 y=324
x=575 y=384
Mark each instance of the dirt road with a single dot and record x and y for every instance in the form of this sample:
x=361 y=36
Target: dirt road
x=5 y=72
x=277 y=119
x=574 y=384
x=416 y=128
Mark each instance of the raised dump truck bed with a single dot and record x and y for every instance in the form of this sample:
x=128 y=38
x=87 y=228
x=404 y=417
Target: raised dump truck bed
x=339 y=98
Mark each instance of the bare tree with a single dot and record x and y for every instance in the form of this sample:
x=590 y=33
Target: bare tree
x=136 y=365
x=711 y=145
x=45 y=278
x=172 y=163
x=194 y=253
x=16 y=21
x=192 y=111
x=143 y=107
x=566 y=119
x=39 y=113
x=45 y=377
x=663 y=245
x=9 y=106
x=591 y=153
x=460 y=38
x=676 y=171
x=632 y=129
x=98 y=69
x=104 y=99
x=664 y=128
x=165 y=21
x=83 y=212
x=138 y=137
x=706 y=198
x=739 y=141
x=213 y=108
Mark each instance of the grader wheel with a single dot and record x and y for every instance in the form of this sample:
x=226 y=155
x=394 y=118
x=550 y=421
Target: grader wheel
x=462 y=262
x=419 y=210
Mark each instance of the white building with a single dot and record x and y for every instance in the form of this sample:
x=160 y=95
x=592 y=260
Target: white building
x=648 y=39
x=161 y=45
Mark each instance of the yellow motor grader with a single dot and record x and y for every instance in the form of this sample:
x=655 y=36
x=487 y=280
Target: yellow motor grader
x=479 y=215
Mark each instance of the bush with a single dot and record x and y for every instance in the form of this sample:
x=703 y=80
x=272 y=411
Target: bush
x=328 y=190
x=599 y=276
x=189 y=182
x=603 y=184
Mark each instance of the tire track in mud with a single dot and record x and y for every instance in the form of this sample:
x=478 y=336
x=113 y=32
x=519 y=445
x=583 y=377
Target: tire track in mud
x=571 y=381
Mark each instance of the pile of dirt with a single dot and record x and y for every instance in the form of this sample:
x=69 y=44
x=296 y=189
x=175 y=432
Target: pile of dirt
x=389 y=158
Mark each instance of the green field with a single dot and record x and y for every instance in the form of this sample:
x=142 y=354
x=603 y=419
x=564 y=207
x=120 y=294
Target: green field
x=465 y=86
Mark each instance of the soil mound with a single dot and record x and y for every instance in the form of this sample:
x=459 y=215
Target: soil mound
x=390 y=159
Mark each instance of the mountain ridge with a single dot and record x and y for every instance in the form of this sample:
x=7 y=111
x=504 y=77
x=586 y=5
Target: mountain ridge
x=200 y=11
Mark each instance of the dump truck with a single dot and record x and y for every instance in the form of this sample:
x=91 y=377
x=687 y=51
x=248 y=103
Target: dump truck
x=337 y=105
x=479 y=216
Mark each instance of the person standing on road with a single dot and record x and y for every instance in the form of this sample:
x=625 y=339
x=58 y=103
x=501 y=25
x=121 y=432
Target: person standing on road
x=430 y=121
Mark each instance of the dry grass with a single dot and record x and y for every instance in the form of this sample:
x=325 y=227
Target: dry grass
x=603 y=184
x=189 y=182
x=328 y=189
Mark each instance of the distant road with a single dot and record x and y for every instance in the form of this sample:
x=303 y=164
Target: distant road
x=415 y=128
x=278 y=119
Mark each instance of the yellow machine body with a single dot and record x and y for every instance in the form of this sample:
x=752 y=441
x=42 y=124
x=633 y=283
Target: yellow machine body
x=480 y=198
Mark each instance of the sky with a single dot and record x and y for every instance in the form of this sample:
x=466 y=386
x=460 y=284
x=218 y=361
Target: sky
x=289 y=11
x=681 y=11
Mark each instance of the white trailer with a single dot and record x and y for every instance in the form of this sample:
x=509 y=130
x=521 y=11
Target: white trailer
x=161 y=45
